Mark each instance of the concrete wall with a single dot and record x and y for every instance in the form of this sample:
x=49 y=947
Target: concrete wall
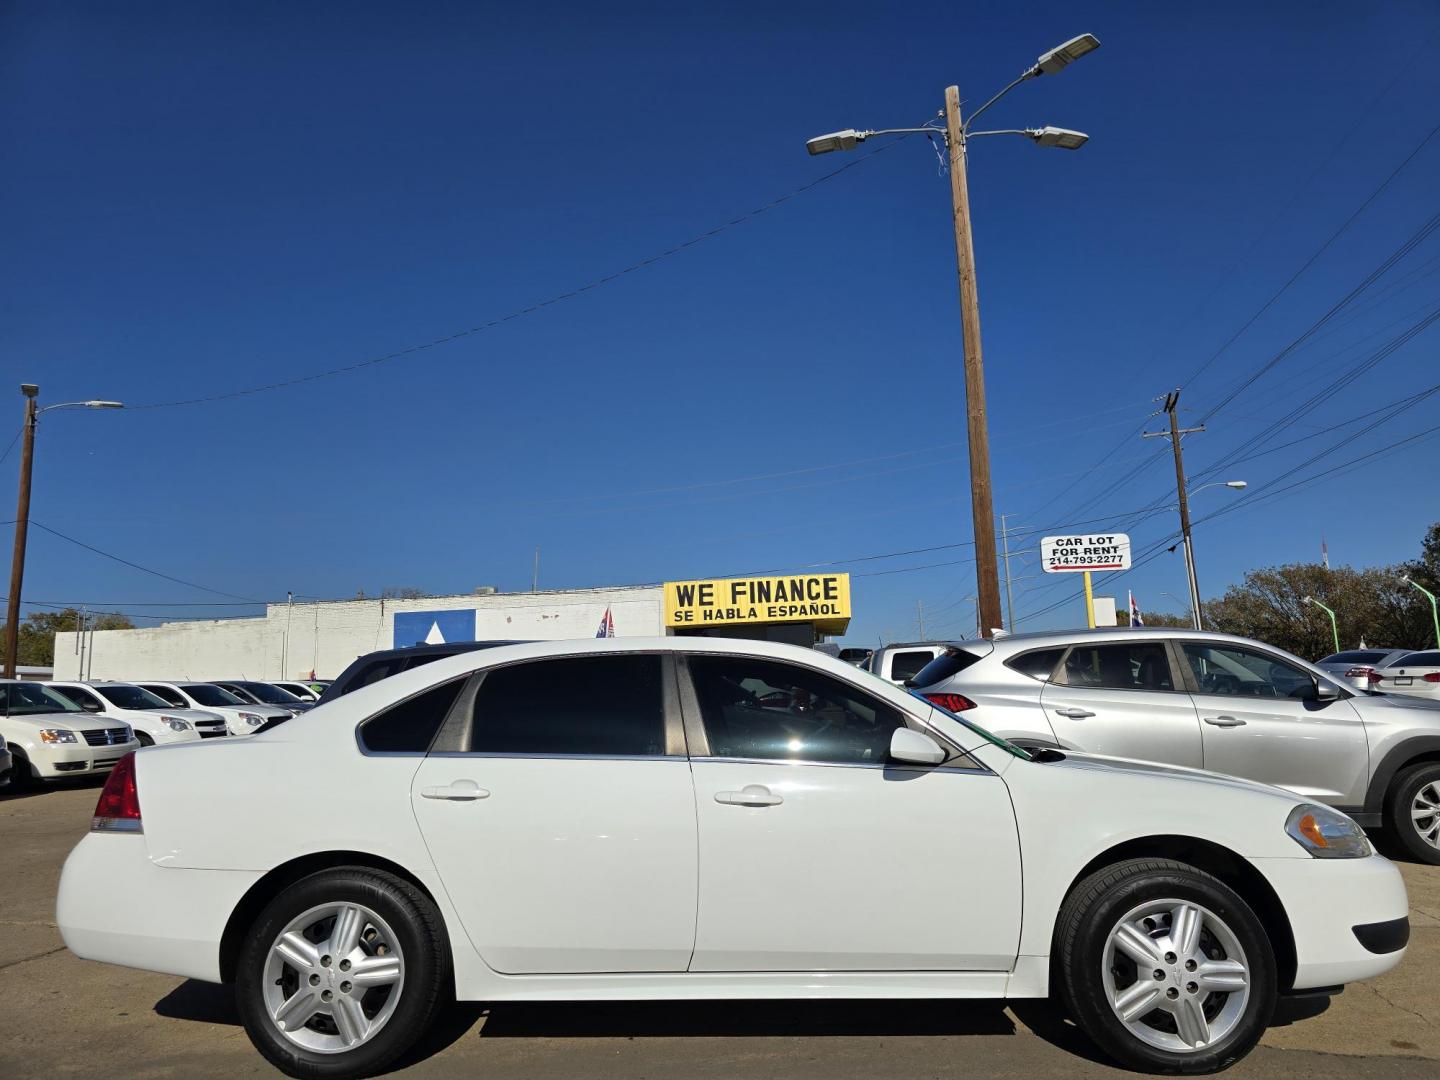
x=325 y=637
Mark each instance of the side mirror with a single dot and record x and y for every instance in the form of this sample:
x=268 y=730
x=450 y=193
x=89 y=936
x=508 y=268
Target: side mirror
x=915 y=748
x=90 y=706
x=1324 y=691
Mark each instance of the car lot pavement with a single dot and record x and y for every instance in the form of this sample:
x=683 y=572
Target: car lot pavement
x=60 y=1016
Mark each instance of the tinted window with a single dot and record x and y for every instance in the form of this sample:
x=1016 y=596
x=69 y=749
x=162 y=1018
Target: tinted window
x=265 y=693
x=1418 y=659
x=130 y=697
x=81 y=698
x=32 y=699
x=210 y=694
x=1130 y=665
x=574 y=705
x=410 y=726
x=950 y=662
x=170 y=697
x=906 y=665
x=1230 y=670
x=1039 y=664
x=766 y=709
x=1357 y=656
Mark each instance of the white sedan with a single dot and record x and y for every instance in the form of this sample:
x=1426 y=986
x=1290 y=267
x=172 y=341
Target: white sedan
x=1415 y=674
x=696 y=818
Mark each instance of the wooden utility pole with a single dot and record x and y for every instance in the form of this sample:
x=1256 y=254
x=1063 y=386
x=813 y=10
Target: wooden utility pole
x=981 y=507
x=1172 y=410
x=22 y=527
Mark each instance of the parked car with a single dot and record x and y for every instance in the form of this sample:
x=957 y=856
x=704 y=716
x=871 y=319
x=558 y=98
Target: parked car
x=903 y=661
x=51 y=739
x=7 y=763
x=264 y=693
x=1416 y=674
x=1206 y=700
x=372 y=667
x=792 y=827
x=241 y=717
x=303 y=691
x=153 y=719
x=857 y=655
x=1356 y=666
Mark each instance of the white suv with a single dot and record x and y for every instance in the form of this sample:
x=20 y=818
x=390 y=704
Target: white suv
x=241 y=717
x=51 y=739
x=153 y=719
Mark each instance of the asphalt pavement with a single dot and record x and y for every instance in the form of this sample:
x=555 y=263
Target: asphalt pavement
x=60 y=1016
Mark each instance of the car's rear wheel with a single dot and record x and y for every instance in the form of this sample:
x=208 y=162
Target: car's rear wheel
x=1414 y=811
x=1165 y=967
x=342 y=973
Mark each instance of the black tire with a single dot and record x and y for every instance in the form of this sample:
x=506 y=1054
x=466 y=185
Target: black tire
x=1398 y=818
x=1093 y=909
x=21 y=777
x=143 y=739
x=426 y=987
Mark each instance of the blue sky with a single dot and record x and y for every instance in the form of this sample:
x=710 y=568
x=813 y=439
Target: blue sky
x=207 y=197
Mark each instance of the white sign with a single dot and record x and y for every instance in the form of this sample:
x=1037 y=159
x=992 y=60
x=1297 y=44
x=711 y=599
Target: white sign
x=1075 y=553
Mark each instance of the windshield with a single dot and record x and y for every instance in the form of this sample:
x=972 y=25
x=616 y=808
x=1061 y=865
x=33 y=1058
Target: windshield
x=208 y=694
x=29 y=699
x=130 y=697
x=270 y=695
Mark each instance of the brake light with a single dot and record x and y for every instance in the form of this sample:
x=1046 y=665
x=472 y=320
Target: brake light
x=951 y=702
x=1361 y=673
x=1434 y=676
x=1372 y=675
x=119 y=807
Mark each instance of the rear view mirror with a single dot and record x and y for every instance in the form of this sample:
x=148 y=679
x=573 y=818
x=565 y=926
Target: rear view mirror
x=915 y=748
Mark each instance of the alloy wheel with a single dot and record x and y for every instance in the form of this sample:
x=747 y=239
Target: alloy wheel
x=1176 y=976
x=333 y=978
x=1425 y=813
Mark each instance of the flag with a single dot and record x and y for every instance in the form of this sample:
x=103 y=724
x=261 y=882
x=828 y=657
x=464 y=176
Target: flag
x=1136 y=619
x=607 y=625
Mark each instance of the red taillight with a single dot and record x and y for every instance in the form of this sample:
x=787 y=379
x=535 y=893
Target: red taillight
x=1372 y=675
x=951 y=702
x=119 y=807
x=1434 y=676
x=1361 y=673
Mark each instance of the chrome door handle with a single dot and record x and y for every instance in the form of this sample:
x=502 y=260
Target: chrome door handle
x=751 y=795
x=1074 y=714
x=456 y=791
x=1224 y=721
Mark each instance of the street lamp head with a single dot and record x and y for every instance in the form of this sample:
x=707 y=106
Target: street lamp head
x=1061 y=56
x=1307 y=600
x=29 y=389
x=1406 y=578
x=104 y=404
x=836 y=140
x=1061 y=137
x=1236 y=484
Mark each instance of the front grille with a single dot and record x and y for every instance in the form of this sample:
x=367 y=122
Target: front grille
x=110 y=736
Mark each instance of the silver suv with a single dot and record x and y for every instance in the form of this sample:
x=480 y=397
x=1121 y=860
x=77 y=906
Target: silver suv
x=1207 y=701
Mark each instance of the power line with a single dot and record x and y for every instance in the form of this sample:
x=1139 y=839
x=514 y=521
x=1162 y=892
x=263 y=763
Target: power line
x=531 y=309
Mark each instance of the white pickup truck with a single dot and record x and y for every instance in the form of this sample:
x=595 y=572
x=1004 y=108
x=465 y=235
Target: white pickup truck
x=903 y=660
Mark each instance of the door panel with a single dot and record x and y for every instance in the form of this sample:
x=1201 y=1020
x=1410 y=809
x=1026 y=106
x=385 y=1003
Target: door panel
x=854 y=868
x=566 y=865
x=1122 y=699
x=1254 y=726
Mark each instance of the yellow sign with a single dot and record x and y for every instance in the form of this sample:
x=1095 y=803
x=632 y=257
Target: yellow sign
x=821 y=599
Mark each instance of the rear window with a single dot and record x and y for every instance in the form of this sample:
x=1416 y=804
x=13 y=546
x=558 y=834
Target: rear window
x=905 y=665
x=1039 y=664
x=1419 y=659
x=410 y=726
x=1355 y=656
x=948 y=664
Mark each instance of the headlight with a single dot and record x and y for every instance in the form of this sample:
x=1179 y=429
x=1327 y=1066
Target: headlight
x=57 y=735
x=251 y=719
x=1327 y=833
x=174 y=723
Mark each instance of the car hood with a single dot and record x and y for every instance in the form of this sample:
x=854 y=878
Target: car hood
x=73 y=721
x=1102 y=763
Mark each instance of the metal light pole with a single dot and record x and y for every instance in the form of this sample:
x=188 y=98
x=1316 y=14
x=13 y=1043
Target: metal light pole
x=1334 y=627
x=22 y=513
x=1434 y=609
x=956 y=134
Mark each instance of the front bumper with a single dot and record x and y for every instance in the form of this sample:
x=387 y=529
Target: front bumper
x=117 y=906
x=57 y=761
x=1326 y=901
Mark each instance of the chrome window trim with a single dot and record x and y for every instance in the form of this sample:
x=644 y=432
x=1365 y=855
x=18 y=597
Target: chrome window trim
x=552 y=757
x=977 y=768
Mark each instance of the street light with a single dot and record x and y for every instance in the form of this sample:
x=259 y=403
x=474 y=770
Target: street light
x=1186 y=540
x=22 y=511
x=1434 y=609
x=956 y=133
x=1334 y=629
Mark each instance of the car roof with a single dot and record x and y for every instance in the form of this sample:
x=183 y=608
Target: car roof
x=1109 y=633
x=445 y=648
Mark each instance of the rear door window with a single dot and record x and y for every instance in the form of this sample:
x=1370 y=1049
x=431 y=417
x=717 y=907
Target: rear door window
x=1128 y=665
x=908 y=664
x=1038 y=664
x=410 y=726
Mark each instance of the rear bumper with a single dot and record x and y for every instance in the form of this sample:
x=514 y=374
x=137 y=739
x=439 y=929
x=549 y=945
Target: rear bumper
x=1333 y=906
x=117 y=906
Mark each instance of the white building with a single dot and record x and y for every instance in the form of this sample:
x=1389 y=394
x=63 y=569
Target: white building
x=296 y=641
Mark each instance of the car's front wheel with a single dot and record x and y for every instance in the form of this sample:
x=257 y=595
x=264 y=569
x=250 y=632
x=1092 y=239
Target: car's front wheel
x=1414 y=811
x=342 y=973
x=1165 y=967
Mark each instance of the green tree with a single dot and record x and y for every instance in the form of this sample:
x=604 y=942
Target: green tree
x=37 y=632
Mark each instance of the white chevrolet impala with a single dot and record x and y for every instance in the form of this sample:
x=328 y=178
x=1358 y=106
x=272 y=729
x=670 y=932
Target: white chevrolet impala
x=695 y=818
